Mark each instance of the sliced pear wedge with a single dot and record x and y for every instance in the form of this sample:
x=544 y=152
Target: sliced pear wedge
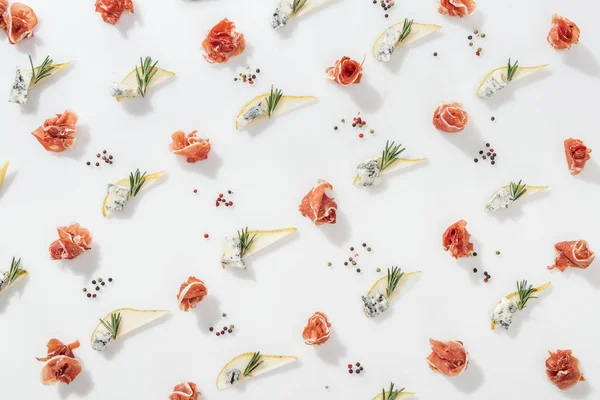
x=57 y=68
x=515 y=295
x=150 y=178
x=18 y=272
x=3 y=169
x=399 y=163
x=285 y=105
x=240 y=362
x=417 y=32
x=381 y=285
x=522 y=72
x=531 y=190
x=400 y=395
x=131 y=320
x=264 y=239
x=310 y=5
x=159 y=77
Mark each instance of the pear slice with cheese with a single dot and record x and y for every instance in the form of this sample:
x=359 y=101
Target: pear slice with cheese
x=398 y=164
x=3 y=169
x=381 y=286
x=159 y=77
x=150 y=178
x=55 y=70
x=263 y=239
x=240 y=363
x=131 y=320
x=310 y=5
x=531 y=190
x=400 y=395
x=17 y=273
x=417 y=32
x=285 y=105
x=515 y=296
x=522 y=72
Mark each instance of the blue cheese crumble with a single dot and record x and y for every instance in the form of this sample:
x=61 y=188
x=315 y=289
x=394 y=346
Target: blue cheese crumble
x=3 y=279
x=494 y=83
x=101 y=340
x=504 y=312
x=118 y=196
x=233 y=375
x=20 y=87
x=253 y=113
x=369 y=173
x=123 y=90
x=375 y=305
x=282 y=13
x=500 y=199
x=388 y=45
x=233 y=253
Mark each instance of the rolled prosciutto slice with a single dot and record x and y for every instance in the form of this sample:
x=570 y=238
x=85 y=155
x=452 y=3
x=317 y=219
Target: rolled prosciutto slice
x=60 y=369
x=57 y=348
x=449 y=358
x=572 y=254
x=562 y=368
x=72 y=241
x=18 y=21
x=316 y=205
x=191 y=292
x=190 y=146
x=577 y=155
x=185 y=391
x=456 y=240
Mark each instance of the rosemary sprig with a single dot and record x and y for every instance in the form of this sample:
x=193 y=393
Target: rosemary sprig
x=297 y=5
x=145 y=73
x=136 y=181
x=113 y=325
x=512 y=70
x=389 y=154
x=393 y=276
x=43 y=70
x=517 y=190
x=273 y=100
x=525 y=293
x=391 y=394
x=254 y=363
x=245 y=241
x=406 y=28
x=14 y=272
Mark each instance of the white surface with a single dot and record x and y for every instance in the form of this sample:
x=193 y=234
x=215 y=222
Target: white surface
x=156 y=245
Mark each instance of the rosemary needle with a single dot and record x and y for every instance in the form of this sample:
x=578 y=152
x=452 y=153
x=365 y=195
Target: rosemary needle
x=394 y=275
x=390 y=153
x=517 y=190
x=113 y=325
x=254 y=363
x=512 y=70
x=144 y=74
x=136 y=181
x=273 y=99
x=391 y=394
x=43 y=70
x=297 y=5
x=525 y=293
x=245 y=241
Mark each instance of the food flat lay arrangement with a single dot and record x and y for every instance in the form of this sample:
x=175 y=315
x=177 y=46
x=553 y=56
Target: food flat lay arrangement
x=292 y=199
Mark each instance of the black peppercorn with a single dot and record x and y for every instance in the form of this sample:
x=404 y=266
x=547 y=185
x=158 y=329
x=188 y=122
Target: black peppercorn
x=110 y=279
x=346 y=263
x=350 y=371
x=88 y=163
x=361 y=368
x=476 y=160
x=94 y=295
x=89 y=295
x=493 y=162
x=474 y=254
x=211 y=329
x=97 y=164
x=470 y=37
x=93 y=282
x=351 y=248
x=222 y=332
x=487 y=145
x=103 y=283
x=258 y=70
x=358 y=270
x=475 y=270
x=358 y=371
x=364 y=245
x=97 y=287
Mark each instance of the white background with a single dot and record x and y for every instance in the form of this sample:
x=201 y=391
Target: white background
x=157 y=243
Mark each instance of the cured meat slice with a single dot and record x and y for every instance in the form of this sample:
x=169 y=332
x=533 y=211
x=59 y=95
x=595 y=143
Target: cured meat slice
x=563 y=33
x=457 y=8
x=57 y=133
x=572 y=254
x=111 y=10
x=3 y=8
x=57 y=348
x=60 y=369
x=562 y=368
x=345 y=71
x=317 y=330
x=456 y=240
x=19 y=21
x=577 y=155
x=191 y=293
x=189 y=146
x=223 y=42
x=317 y=206
x=449 y=358
x=185 y=391
x=72 y=241
x=450 y=118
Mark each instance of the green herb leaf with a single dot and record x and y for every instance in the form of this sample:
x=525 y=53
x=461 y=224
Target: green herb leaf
x=406 y=29
x=136 y=181
x=517 y=190
x=43 y=70
x=245 y=241
x=13 y=273
x=394 y=275
x=391 y=394
x=144 y=74
x=390 y=154
x=525 y=293
x=113 y=325
x=273 y=100
x=297 y=5
x=254 y=363
x=512 y=70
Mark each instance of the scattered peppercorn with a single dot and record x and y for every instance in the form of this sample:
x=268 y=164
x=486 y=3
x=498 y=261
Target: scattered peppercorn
x=211 y=329
x=97 y=287
x=224 y=315
x=368 y=249
x=478 y=53
x=470 y=37
x=103 y=283
x=471 y=44
x=358 y=371
x=110 y=279
x=493 y=162
x=353 y=262
x=350 y=371
x=474 y=270
x=97 y=164
x=435 y=54
x=476 y=160
x=93 y=282
x=358 y=270
x=89 y=295
x=94 y=295
x=358 y=364
x=206 y=236
x=474 y=254
x=360 y=135
x=493 y=118
x=487 y=145
x=329 y=264
x=335 y=128
x=497 y=253
x=476 y=31
x=230 y=331
x=88 y=163
x=218 y=334
x=346 y=263
x=222 y=332
x=486 y=280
